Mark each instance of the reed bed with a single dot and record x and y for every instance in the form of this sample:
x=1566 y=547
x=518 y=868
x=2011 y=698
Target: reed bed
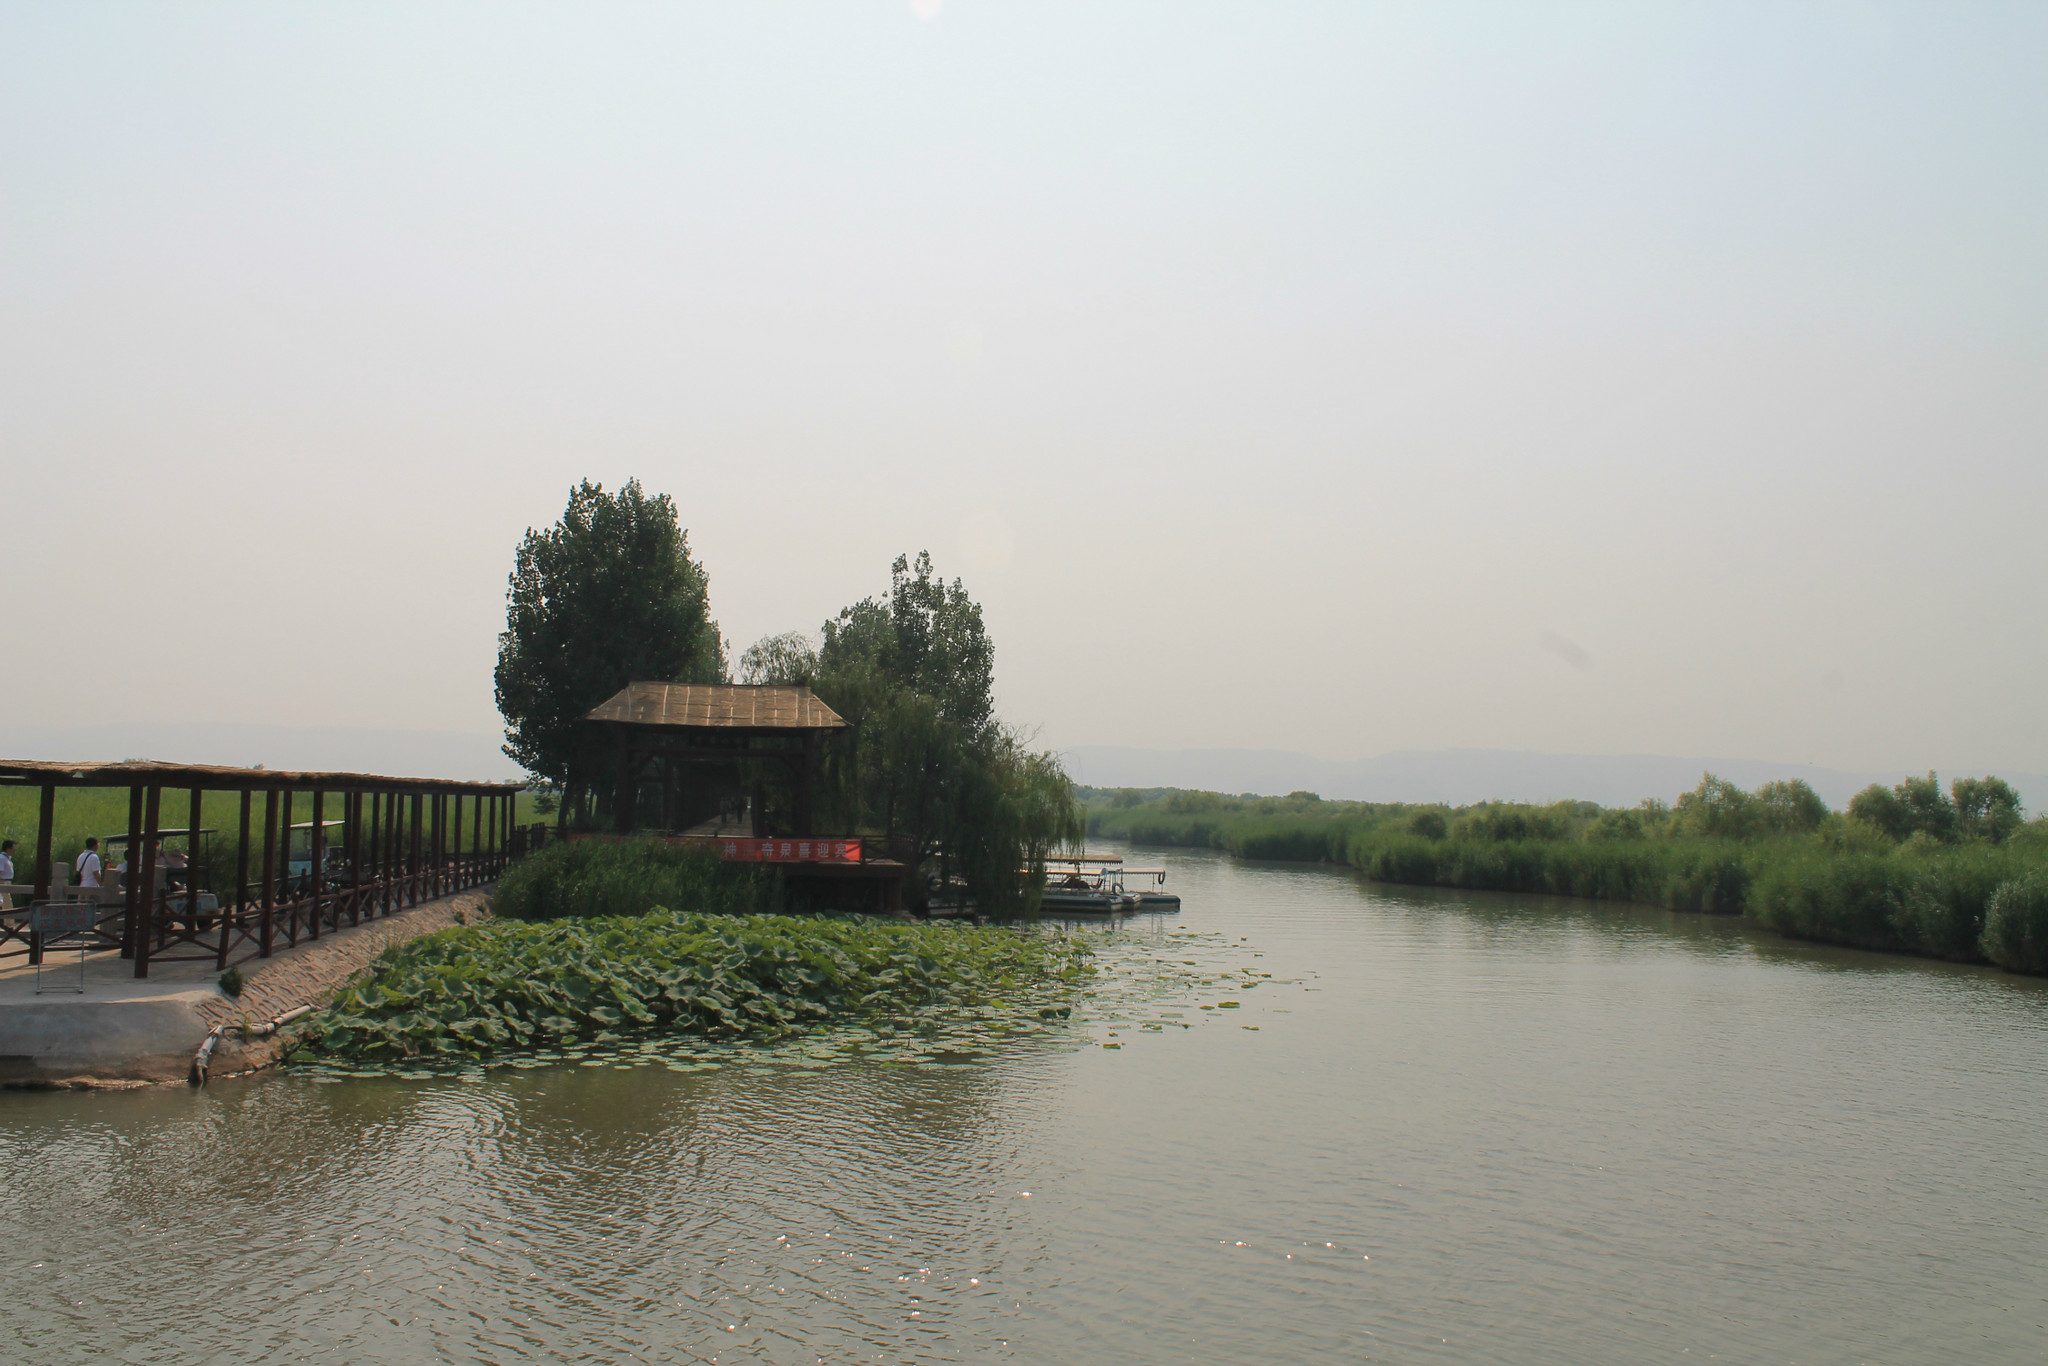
x=1777 y=856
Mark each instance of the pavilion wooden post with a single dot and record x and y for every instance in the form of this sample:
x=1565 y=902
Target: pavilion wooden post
x=232 y=916
x=316 y=864
x=269 y=907
x=456 y=878
x=476 y=839
x=145 y=910
x=625 y=791
x=134 y=862
x=46 y=821
x=806 y=785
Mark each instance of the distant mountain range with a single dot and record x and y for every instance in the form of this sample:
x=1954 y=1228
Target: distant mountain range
x=1463 y=776
x=401 y=753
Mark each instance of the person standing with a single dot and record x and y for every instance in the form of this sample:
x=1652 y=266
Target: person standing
x=6 y=870
x=88 y=864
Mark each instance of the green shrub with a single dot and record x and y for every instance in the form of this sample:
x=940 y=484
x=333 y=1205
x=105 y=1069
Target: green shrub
x=581 y=878
x=2016 y=925
x=1711 y=881
x=1839 y=898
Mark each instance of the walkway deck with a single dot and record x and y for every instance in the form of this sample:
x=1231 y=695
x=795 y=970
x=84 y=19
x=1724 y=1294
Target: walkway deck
x=124 y=1028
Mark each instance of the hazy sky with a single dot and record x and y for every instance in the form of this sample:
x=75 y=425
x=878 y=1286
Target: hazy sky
x=1342 y=378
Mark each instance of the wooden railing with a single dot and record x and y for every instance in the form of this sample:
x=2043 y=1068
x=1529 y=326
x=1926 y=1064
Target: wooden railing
x=400 y=842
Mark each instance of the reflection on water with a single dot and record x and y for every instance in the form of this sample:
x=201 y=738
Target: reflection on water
x=1433 y=1125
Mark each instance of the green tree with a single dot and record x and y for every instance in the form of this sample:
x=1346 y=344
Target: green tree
x=1986 y=808
x=1916 y=806
x=606 y=596
x=926 y=762
x=787 y=658
x=1880 y=808
x=1789 y=808
x=1718 y=809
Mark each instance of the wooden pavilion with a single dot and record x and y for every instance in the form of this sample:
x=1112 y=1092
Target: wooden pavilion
x=665 y=726
x=724 y=731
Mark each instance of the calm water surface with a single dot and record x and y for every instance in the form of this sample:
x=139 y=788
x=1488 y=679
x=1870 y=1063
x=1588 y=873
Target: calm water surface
x=1447 y=1128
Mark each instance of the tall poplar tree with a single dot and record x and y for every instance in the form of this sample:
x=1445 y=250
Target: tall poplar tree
x=606 y=596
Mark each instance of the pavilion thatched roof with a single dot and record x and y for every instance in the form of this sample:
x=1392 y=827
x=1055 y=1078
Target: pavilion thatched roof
x=719 y=706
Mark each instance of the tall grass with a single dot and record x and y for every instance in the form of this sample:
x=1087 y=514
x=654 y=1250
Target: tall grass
x=1777 y=857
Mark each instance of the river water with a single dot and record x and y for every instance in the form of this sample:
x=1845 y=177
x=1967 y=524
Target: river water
x=1445 y=1127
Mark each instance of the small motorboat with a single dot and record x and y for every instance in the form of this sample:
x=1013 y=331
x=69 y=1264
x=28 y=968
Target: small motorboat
x=1085 y=883
x=1096 y=883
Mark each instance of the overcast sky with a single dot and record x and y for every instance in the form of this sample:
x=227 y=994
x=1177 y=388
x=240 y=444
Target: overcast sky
x=1344 y=378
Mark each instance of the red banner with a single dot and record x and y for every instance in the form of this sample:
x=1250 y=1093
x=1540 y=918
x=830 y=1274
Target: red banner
x=737 y=849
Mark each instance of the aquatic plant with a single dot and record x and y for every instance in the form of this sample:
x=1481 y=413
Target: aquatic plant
x=465 y=992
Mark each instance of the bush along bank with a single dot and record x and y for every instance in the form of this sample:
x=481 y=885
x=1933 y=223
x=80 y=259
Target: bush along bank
x=608 y=876
x=466 y=993
x=1908 y=869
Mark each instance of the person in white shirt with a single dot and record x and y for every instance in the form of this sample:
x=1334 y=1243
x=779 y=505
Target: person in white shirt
x=88 y=865
x=6 y=870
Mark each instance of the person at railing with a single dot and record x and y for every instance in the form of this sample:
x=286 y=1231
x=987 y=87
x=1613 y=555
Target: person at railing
x=6 y=869
x=177 y=866
x=87 y=865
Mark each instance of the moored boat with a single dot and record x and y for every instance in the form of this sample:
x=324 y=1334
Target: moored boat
x=1096 y=883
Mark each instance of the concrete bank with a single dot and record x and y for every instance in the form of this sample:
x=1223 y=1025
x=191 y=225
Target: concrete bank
x=122 y=1030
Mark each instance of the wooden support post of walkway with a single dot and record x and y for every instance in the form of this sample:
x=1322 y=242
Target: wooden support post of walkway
x=128 y=878
x=415 y=872
x=192 y=868
x=46 y=820
x=145 y=910
x=316 y=865
x=268 y=910
x=233 y=913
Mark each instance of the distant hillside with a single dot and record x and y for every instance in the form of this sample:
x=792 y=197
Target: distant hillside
x=400 y=753
x=1462 y=776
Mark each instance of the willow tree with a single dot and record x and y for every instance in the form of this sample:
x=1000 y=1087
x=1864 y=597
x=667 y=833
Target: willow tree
x=926 y=762
x=607 y=595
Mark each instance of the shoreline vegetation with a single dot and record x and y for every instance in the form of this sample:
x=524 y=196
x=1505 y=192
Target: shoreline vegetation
x=582 y=952
x=1956 y=874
